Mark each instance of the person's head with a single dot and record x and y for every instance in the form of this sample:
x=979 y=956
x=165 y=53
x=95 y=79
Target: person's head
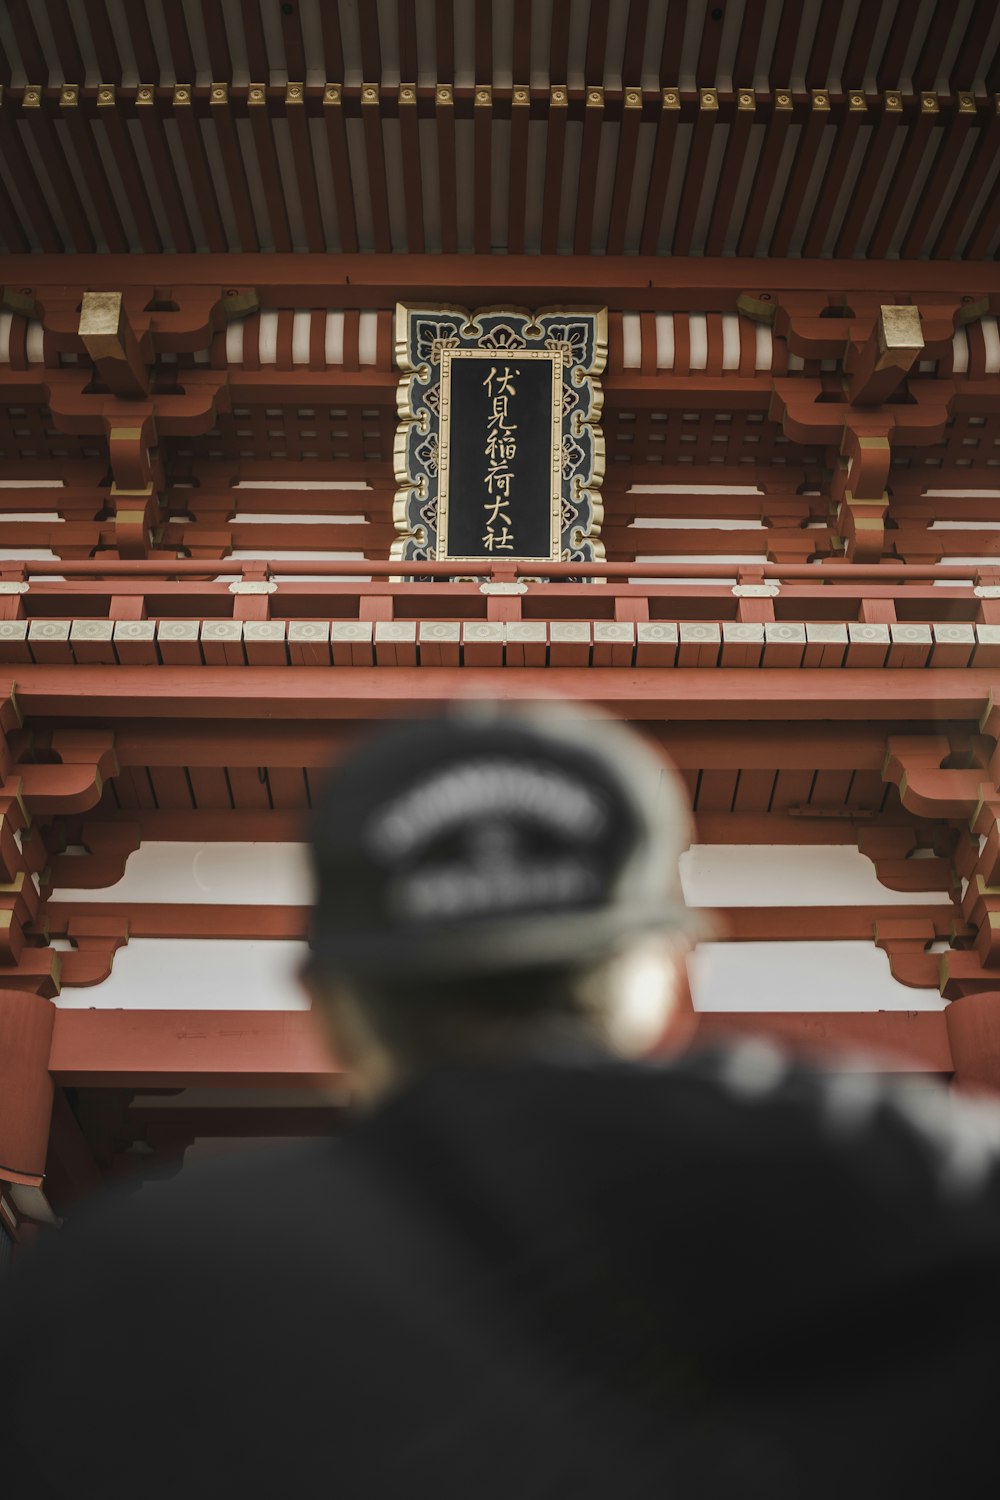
x=489 y=879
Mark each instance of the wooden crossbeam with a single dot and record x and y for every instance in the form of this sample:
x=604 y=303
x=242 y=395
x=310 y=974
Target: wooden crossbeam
x=188 y=1049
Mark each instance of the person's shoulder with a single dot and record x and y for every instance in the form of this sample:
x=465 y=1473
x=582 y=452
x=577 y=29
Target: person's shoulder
x=219 y=1204
x=903 y=1142
x=753 y=1100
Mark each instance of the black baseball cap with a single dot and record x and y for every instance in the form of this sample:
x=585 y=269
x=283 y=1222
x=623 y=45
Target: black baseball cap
x=486 y=839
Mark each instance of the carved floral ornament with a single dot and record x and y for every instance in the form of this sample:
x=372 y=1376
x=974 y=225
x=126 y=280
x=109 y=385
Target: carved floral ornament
x=499 y=452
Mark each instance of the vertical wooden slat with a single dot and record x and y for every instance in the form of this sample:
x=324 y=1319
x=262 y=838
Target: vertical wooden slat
x=141 y=37
x=803 y=164
x=235 y=167
x=11 y=228
x=590 y=151
x=371 y=115
x=663 y=156
x=130 y=174
x=30 y=48
x=732 y=167
x=673 y=41
x=749 y=41
x=993 y=73
x=291 y=34
x=635 y=41
x=179 y=39
x=444 y=40
x=371 y=49
x=694 y=170
x=520 y=111
x=169 y=188
x=859 y=48
x=871 y=171
x=765 y=173
x=521 y=42
x=66 y=40
x=941 y=182
x=985 y=230
x=267 y=166
x=258 y=61
x=555 y=142
x=219 y=57
x=61 y=177
x=851 y=120
x=251 y=361
x=283 y=340
x=887 y=74
x=647 y=356
x=406 y=21
x=197 y=164
x=26 y=183
x=482 y=195
x=907 y=166
x=103 y=37
x=707 y=65
x=340 y=167
x=444 y=103
x=305 y=176
x=559 y=42
x=413 y=198
x=333 y=46
x=483 y=41
x=628 y=138
x=597 y=43
x=956 y=226
x=821 y=52
x=969 y=59
x=793 y=15
x=928 y=64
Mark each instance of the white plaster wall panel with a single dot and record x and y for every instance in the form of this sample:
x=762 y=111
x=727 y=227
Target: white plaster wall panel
x=664 y=341
x=197 y=974
x=960 y=357
x=713 y=875
x=267 y=337
x=730 y=341
x=631 y=341
x=818 y=976
x=698 y=340
x=234 y=342
x=34 y=344
x=210 y=873
x=788 y=875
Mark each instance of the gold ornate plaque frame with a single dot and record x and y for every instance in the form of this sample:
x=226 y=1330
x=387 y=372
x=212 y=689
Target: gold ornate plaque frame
x=428 y=342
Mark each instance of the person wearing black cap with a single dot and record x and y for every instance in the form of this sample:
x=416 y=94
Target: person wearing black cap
x=534 y=1267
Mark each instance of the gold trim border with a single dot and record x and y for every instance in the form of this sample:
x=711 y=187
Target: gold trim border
x=589 y=375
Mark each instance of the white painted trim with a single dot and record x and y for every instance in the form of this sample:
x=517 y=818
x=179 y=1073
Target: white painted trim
x=820 y=976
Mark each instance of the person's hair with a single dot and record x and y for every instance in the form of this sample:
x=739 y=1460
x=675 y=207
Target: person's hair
x=420 y=1021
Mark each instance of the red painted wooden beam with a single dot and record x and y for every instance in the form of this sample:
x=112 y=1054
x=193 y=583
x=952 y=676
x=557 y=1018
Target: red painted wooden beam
x=278 y=922
x=392 y=692
x=240 y=1049
x=703 y=284
x=883 y=1041
x=184 y=1049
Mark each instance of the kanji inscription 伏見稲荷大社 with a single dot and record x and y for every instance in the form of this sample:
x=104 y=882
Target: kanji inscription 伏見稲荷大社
x=499 y=453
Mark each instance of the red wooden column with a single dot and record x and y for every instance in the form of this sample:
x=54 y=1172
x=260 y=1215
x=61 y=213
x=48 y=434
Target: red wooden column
x=26 y=1088
x=974 y=1034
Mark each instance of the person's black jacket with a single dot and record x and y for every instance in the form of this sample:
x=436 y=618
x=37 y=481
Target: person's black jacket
x=723 y=1278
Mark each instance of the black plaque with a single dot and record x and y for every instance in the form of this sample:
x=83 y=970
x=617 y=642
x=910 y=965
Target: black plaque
x=502 y=484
